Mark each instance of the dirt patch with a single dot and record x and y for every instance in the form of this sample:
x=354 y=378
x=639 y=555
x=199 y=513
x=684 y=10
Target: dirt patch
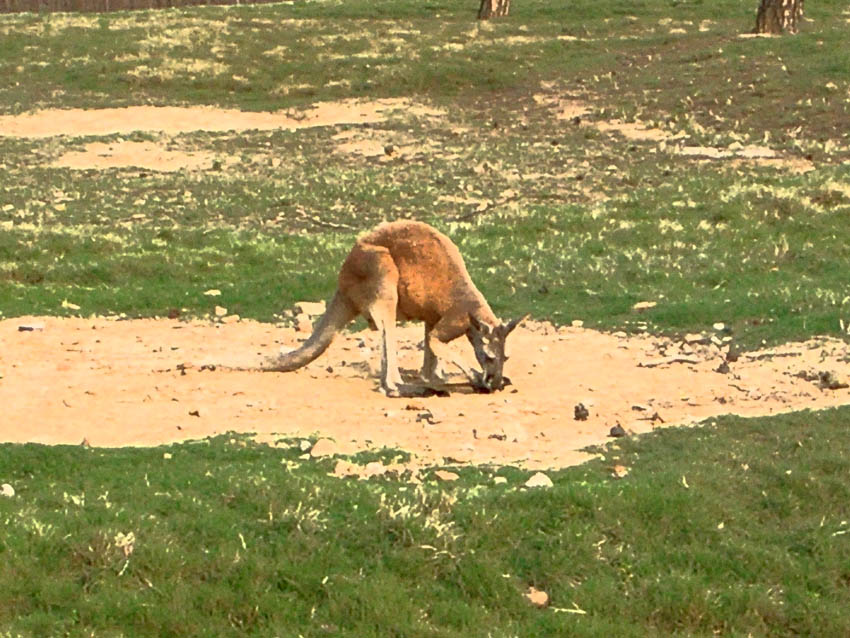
x=124 y=153
x=174 y=120
x=580 y=112
x=634 y=131
x=116 y=383
x=380 y=145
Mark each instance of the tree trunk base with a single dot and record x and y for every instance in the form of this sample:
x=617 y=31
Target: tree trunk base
x=779 y=16
x=493 y=9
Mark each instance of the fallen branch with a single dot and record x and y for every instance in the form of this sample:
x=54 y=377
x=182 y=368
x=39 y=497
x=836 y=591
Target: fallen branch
x=668 y=360
x=771 y=355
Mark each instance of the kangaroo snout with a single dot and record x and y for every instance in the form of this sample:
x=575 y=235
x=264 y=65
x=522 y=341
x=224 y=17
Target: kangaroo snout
x=485 y=383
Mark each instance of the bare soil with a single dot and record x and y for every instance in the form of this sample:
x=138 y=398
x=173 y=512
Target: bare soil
x=174 y=120
x=147 y=382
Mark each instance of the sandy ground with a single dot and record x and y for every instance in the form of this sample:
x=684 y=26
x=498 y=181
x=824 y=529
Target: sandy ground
x=115 y=383
x=143 y=382
x=174 y=120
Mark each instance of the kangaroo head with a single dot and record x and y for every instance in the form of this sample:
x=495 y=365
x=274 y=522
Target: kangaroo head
x=488 y=341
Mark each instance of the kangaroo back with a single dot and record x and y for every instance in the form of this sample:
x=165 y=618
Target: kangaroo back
x=433 y=281
x=337 y=316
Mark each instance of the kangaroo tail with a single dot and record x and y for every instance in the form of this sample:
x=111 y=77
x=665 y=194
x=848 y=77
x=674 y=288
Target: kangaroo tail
x=338 y=315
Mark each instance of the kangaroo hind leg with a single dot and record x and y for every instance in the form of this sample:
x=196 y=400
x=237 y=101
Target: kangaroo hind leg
x=371 y=277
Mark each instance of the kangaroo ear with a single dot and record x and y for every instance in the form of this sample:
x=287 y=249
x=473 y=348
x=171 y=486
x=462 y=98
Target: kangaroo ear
x=515 y=322
x=479 y=326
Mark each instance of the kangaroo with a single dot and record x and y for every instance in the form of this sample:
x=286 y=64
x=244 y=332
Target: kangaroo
x=409 y=270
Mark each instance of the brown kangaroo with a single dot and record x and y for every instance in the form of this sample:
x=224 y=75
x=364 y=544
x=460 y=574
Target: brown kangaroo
x=409 y=270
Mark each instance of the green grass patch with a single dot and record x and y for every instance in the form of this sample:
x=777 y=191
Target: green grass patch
x=554 y=216
x=738 y=527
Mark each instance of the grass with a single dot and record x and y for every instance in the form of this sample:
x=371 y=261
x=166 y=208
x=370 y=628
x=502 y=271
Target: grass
x=598 y=221
x=737 y=528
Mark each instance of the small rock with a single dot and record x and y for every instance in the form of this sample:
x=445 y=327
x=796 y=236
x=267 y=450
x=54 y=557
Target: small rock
x=220 y=311
x=537 y=597
x=30 y=327
x=212 y=292
x=310 y=308
x=230 y=319
x=304 y=445
x=445 y=475
x=7 y=490
x=499 y=480
x=324 y=447
x=580 y=412
x=577 y=323
x=620 y=471
x=427 y=416
x=617 y=431
x=696 y=338
x=539 y=480
x=723 y=368
x=828 y=381
x=719 y=326
x=732 y=355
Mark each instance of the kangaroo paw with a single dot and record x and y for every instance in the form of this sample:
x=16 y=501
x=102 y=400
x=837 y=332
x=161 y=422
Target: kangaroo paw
x=392 y=391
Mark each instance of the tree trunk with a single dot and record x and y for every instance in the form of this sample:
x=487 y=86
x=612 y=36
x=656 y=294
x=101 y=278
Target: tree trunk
x=493 y=9
x=779 y=16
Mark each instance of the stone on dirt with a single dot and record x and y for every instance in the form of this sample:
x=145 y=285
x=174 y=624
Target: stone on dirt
x=445 y=475
x=617 y=431
x=7 y=490
x=580 y=412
